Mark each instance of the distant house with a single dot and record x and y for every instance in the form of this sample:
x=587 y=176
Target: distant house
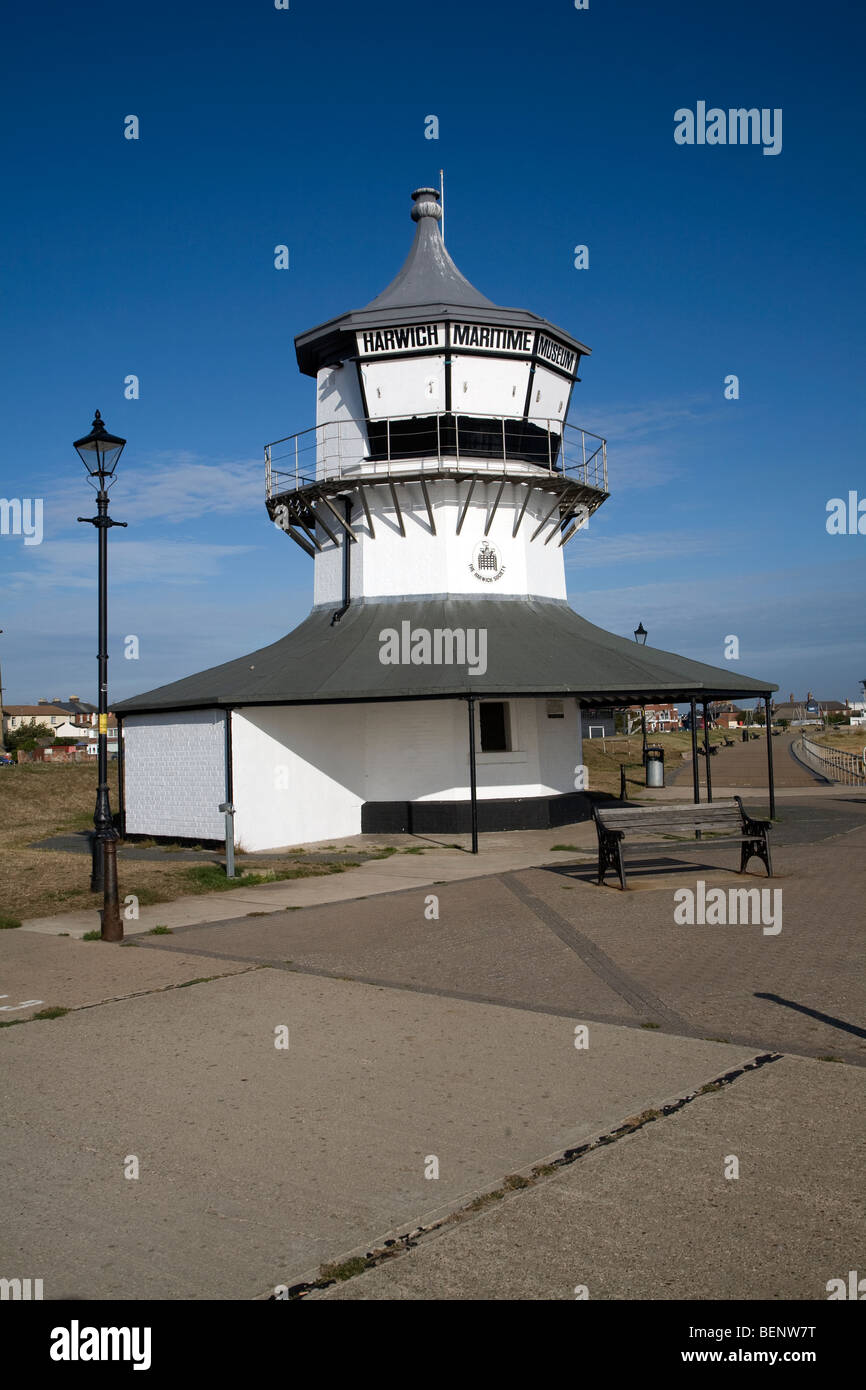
x=728 y=717
x=16 y=717
x=598 y=722
x=809 y=710
x=660 y=719
x=71 y=718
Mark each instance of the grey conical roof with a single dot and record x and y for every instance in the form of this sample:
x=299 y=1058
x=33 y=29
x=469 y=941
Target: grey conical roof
x=429 y=285
x=429 y=276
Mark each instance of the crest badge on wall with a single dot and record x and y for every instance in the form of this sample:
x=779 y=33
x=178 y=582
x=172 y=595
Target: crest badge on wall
x=486 y=564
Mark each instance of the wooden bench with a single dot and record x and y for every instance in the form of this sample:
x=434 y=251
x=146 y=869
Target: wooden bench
x=729 y=743
x=726 y=819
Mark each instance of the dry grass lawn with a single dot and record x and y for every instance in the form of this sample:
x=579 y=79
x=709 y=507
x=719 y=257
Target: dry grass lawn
x=38 y=800
x=851 y=740
x=603 y=757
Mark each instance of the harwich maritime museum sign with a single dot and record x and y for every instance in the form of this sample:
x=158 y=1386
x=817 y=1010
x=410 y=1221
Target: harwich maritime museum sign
x=485 y=338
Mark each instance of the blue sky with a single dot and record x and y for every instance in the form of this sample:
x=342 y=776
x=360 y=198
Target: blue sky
x=306 y=127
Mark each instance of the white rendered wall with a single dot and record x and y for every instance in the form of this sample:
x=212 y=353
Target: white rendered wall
x=302 y=773
x=420 y=563
x=340 y=414
x=174 y=773
x=298 y=773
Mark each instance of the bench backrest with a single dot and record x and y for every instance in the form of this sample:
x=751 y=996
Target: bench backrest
x=679 y=819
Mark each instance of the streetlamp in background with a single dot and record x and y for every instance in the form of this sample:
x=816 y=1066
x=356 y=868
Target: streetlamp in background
x=99 y=452
x=640 y=636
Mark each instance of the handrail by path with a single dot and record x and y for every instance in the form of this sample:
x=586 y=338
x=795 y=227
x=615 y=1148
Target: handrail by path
x=836 y=764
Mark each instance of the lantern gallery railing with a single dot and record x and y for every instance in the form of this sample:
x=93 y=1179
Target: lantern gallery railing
x=834 y=763
x=352 y=450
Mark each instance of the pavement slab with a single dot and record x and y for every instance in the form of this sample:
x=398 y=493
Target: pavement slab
x=256 y=1163
x=38 y=973
x=653 y=1216
x=548 y=937
x=483 y=946
x=409 y=867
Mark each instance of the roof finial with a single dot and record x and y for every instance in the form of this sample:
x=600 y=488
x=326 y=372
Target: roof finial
x=426 y=204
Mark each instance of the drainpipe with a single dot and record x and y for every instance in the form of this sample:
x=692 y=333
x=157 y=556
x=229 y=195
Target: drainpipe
x=347 y=566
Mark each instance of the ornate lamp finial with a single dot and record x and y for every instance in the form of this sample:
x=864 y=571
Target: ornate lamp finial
x=426 y=204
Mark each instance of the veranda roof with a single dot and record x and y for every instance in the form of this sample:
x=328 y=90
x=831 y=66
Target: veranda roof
x=534 y=647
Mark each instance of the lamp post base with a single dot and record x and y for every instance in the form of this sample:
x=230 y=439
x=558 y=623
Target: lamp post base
x=112 y=927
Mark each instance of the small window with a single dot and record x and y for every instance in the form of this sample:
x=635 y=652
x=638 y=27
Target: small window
x=494 y=726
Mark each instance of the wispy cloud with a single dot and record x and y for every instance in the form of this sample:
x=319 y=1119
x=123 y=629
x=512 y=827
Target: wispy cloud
x=593 y=551
x=71 y=565
x=169 y=487
x=644 y=439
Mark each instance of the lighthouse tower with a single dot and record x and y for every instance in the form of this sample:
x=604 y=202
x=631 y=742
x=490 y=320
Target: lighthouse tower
x=438 y=683
x=440 y=463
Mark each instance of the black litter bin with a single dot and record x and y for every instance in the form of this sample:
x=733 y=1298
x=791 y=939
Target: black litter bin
x=655 y=765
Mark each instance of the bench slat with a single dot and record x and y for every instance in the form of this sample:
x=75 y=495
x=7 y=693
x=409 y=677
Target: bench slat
x=625 y=822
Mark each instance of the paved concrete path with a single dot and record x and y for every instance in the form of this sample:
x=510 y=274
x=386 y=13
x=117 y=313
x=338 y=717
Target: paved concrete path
x=453 y=1038
x=653 y=1216
x=257 y=1164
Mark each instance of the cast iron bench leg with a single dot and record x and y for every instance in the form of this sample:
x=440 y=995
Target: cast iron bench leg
x=620 y=865
x=756 y=849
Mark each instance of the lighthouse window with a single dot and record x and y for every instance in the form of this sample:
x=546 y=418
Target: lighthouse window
x=494 y=726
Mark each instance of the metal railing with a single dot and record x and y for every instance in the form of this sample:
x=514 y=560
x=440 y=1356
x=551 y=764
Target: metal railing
x=354 y=449
x=834 y=763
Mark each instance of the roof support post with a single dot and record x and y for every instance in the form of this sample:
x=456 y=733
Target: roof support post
x=228 y=805
x=462 y=517
x=314 y=539
x=324 y=525
x=495 y=505
x=707 y=753
x=299 y=540
x=559 y=499
x=560 y=526
x=473 y=779
x=342 y=520
x=396 y=504
x=365 y=504
x=696 y=781
x=429 y=508
x=526 y=501
x=770 y=779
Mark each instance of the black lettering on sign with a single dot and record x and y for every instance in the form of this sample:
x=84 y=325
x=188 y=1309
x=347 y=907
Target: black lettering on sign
x=476 y=335
x=551 y=351
x=415 y=335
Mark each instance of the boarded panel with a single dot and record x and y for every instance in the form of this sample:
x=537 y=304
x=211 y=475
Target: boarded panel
x=174 y=771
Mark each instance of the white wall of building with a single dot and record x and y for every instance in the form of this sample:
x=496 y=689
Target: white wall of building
x=303 y=773
x=420 y=563
x=298 y=773
x=343 y=437
x=174 y=773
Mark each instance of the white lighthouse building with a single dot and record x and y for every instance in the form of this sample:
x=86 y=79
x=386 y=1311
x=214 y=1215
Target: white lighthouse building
x=438 y=680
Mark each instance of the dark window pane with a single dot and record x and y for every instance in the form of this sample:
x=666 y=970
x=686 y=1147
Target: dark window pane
x=494 y=729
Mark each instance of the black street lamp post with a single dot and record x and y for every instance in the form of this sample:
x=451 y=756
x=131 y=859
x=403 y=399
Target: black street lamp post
x=640 y=636
x=99 y=452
